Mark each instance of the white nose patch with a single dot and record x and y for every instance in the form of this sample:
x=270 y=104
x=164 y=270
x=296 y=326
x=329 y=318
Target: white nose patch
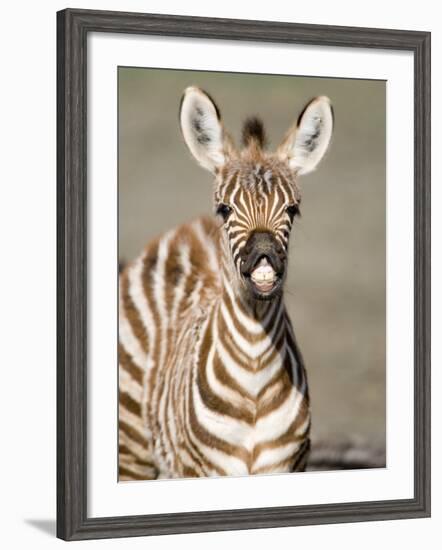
x=263 y=275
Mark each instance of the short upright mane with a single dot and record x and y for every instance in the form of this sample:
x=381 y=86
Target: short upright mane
x=253 y=129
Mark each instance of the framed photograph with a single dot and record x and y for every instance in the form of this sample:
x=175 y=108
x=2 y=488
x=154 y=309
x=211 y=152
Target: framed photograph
x=223 y=362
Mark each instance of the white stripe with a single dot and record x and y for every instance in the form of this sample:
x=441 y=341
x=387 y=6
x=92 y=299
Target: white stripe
x=179 y=289
x=220 y=389
x=252 y=382
x=224 y=427
x=133 y=421
x=129 y=385
x=302 y=429
x=207 y=245
x=252 y=350
x=188 y=461
x=138 y=296
x=127 y=338
x=140 y=452
x=250 y=324
x=270 y=457
x=158 y=285
x=195 y=296
x=276 y=423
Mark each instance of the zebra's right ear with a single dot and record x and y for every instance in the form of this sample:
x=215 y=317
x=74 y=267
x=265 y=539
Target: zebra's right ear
x=203 y=130
x=307 y=141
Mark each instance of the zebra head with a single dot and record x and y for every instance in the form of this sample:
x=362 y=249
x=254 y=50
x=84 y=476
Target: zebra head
x=256 y=193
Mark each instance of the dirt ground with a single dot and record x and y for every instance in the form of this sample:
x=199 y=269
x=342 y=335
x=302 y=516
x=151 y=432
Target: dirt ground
x=335 y=290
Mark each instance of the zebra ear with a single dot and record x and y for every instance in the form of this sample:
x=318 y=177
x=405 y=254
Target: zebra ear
x=202 y=129
x=307 y=141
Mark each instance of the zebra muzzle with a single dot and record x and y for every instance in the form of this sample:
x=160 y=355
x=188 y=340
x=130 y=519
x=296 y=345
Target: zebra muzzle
x=263 y=265
x=263 y=275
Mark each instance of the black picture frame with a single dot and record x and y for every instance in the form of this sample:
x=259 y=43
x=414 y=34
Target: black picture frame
x=73 y=27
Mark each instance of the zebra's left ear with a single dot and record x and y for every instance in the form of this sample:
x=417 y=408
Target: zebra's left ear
x=307 y=141
x=202 y=129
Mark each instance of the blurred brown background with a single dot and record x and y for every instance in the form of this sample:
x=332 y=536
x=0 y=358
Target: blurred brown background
x=335 y=290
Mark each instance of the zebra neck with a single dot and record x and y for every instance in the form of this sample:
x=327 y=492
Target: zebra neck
x=253 y=330
x=256 y=310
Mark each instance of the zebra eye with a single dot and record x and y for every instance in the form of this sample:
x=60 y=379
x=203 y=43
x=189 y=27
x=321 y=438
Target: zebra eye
x=292 y=210
x=224 y=210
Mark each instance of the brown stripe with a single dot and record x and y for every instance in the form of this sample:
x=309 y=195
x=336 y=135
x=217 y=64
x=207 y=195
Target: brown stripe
x=189 y=472
x=155 y=381
x=287 y=437
x=277 y=349
x=202 y=461
x=226 y=379
x=303 y=454
x=131 y=312
x=228 y=303
x=132 y=433
x=273 y=325
x=126 y=455
x=233 y=348
x=281 y=467
x=251 y=338
x=277 y=401
x=201 y=269
x=126 y=362
x=218 y=405
x=188 y=445
x=129 y=403
x=229 y=188
x=211 y=229
x=166 y=433
x=213 y=441
x=286 y=181
x=269 y=391
x=277 y=380
x=137 y=455
x=173 y=269
x=237 y=355
x=211 y=399
x=126 y=472
x=301 y=375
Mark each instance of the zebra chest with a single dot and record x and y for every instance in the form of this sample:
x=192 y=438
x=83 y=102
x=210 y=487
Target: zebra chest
x=248 y=413
x=255 y=438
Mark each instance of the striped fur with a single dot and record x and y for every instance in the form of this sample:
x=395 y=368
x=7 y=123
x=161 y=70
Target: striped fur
x=211 y=380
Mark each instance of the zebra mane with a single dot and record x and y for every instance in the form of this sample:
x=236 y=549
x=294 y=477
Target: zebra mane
x=253 y=130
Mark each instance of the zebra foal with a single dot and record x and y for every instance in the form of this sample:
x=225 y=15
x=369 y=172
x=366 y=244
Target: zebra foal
x=211 y=380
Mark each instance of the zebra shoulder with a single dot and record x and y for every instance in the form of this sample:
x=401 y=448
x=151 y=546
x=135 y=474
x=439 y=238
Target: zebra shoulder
x=184 y=262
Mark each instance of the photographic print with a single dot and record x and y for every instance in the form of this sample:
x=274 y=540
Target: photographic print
x=243 y=274
x=252 y=243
